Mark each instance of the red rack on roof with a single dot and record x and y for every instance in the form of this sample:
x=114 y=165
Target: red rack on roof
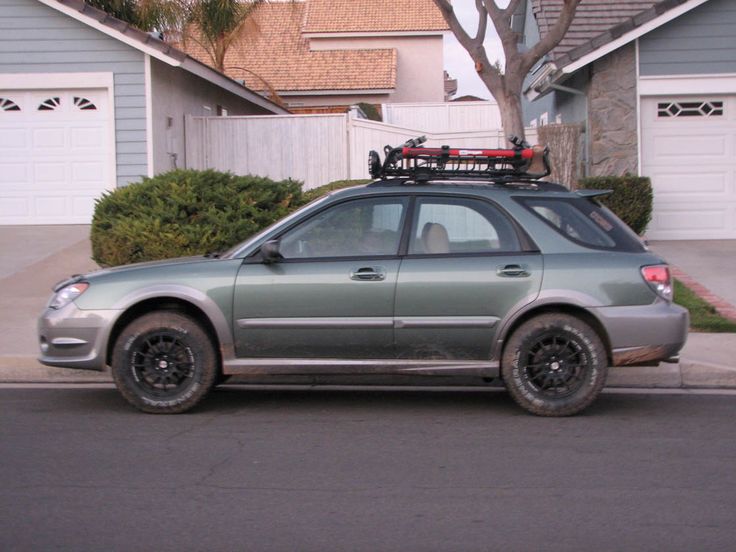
x=413 y=161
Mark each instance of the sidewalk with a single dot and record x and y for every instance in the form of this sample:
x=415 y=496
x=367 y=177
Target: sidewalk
x=708 y=360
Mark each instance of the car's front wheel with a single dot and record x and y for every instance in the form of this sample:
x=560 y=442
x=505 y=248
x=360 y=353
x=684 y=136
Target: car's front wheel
x=554 y=365
x=164 y=363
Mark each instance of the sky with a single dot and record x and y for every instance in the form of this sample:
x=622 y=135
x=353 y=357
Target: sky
x=457 y=61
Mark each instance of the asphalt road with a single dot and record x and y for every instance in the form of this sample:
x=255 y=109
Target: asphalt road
x=373 y=470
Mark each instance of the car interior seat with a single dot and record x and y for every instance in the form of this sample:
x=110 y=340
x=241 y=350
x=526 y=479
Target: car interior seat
x=435 y=238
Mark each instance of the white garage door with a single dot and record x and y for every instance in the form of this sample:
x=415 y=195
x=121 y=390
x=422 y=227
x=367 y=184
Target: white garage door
x=689 y=151
x=55 y=155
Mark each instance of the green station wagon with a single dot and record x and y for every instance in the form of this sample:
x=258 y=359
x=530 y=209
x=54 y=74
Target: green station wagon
x=453 y=262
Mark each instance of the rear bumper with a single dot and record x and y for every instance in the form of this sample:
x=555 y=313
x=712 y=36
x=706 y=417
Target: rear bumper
x=644 y=334
x=75 y=338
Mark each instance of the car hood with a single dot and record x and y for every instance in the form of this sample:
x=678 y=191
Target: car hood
x=90 y=276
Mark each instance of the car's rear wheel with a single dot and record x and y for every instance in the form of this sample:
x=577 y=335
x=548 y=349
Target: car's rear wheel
x=554 y=365
x=164 y=363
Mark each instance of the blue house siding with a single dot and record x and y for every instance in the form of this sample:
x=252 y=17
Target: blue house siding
x=37 y=39
x=702 y=41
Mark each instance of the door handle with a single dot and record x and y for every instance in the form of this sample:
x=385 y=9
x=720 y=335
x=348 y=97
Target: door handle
x=512 y=271
x=368 y=274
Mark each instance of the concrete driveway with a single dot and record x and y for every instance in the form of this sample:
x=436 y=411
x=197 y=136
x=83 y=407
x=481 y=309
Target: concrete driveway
x=32 y=259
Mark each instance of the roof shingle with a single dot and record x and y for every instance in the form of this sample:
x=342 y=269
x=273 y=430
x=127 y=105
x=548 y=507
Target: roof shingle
x=593 y=18
x=341 y=16
x=279 y=54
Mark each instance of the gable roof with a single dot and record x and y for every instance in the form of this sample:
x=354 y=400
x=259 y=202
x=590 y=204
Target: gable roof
x=279 y=54
x=592 y=19
x=384 y=16
x=153 y=46
x=599 y=27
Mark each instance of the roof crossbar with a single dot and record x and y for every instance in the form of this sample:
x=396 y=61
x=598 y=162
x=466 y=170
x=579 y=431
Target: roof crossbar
x=414 y=161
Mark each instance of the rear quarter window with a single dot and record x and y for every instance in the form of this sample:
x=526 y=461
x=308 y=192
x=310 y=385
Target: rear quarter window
x=584 y=221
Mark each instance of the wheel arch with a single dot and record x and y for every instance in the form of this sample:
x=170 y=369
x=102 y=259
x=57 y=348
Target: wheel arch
x=555 y=307
x=205 y=313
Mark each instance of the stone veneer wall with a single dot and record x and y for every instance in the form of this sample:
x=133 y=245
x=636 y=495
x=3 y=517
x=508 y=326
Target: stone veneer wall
x=612 y=114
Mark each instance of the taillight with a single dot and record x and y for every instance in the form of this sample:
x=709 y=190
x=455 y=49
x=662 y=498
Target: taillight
x=659 y=279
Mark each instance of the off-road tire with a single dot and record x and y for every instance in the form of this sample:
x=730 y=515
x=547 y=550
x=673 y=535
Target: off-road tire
x=164 y=363
x=554 y=365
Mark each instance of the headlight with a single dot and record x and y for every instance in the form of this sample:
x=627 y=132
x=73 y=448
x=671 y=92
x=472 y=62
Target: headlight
x=67 y=294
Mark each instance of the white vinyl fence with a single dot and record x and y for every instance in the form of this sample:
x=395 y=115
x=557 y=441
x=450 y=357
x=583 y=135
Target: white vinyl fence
x=315 y=149
x=445 y=116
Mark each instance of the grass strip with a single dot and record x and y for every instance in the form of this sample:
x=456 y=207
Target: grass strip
x=703 y=315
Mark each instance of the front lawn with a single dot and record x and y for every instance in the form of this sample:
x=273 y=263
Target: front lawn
x=703 y=316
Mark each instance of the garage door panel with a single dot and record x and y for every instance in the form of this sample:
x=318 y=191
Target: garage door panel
x=703 y=145
x=687 y=187
x=65 y=153
x=14 y=208
x=14 y=139
x=87 y=139
x=87 y=174
x=12 y=174
x=703 y=218
x=45 y=174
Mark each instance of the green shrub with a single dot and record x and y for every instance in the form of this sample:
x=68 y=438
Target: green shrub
x=186 y=212
x=314 y=193
x=631 y=199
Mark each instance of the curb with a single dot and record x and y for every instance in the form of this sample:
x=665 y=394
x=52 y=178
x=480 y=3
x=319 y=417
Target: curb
x=687 y=374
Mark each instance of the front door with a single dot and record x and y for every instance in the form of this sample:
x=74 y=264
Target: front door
x=332 y=294
x=465 y=269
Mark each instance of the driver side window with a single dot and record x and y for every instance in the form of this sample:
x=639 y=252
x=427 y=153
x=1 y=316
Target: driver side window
x=357 y=228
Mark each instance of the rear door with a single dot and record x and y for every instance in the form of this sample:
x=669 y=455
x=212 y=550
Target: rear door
x=465 y=269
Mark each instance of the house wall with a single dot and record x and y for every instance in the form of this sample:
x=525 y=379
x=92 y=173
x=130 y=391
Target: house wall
x=420 y=65
x=612 y=113
x=37 y=39
x=698 y=42
x=176 y=93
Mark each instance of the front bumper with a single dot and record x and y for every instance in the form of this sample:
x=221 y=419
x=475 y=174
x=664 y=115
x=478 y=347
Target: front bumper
x=644 y=334
x=73 y=338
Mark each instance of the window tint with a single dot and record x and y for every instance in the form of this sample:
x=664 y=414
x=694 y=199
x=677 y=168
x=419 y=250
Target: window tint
x=585 y=221
x=444 y=226
x=359 y=228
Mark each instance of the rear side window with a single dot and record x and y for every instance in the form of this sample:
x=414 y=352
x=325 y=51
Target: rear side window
x=584 y=221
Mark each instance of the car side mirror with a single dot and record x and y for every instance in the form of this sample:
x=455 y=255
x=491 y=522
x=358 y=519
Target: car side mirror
x=270 y=252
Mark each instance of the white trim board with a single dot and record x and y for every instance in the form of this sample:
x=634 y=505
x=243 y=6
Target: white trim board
x=149 y=114
x=668 y=85
x=41 y=81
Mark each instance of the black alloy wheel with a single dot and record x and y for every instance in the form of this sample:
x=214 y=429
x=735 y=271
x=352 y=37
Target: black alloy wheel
x=164 y=362
x=554 y=365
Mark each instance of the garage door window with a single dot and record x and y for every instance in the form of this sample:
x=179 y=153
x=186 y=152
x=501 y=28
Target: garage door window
x=84 y=104
x=6 y=104
x=50 y=104
x=698 y=108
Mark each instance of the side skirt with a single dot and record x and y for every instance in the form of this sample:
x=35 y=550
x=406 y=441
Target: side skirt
x=329 y=366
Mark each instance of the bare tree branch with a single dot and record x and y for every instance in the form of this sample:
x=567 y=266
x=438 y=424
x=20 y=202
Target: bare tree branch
x=552 y=38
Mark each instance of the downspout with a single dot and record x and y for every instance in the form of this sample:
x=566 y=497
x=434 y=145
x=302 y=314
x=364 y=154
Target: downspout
x=586 y=137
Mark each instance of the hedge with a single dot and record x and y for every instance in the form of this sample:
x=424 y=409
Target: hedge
x=631 y=199
x=186 y=212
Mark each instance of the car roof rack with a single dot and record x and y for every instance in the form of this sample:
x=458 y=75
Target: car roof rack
x=411 y=160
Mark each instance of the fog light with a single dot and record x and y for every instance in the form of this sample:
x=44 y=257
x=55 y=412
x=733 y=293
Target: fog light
x=44 y=345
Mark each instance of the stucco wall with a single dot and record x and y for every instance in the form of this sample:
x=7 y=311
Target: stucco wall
x=175 y=94
x=420 y=65
x=38 y=39
x=612 y=113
